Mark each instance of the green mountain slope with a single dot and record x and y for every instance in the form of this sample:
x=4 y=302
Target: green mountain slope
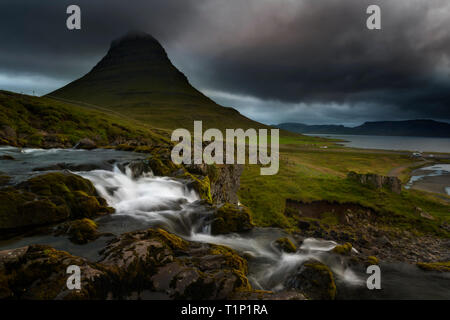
x=137 y=79
x=47 y=123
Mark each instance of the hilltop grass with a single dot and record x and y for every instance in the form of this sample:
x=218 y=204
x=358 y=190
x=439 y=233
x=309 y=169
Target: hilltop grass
x=33 y=121
x=308 y=175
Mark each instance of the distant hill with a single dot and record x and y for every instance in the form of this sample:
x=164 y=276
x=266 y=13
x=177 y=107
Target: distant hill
x=136 y=78
x=417 y=128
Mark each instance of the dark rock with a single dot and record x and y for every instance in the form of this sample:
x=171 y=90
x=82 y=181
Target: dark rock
x=86 y=143
x=159 y=261
x=6 y=157
x=138 y=168
x=315 y=280
x=39 y=272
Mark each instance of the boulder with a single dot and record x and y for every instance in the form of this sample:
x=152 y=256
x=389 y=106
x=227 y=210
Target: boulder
x=39 y=272
x=231 y=218
x=161 y=262
x=315 y=280
x=49 y=198
x=80 y=231
x=86 y=143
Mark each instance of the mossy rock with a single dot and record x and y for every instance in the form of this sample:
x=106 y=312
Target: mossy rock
x=39 y=272
x=315 y=280
x=372 y=260
x=231 y=218
x=49 y=198
x=201 y=185
x=435 y=266
x=344 y=249
x=286 y=245
x=233 y=260
x=80 y=231
x=162 y=164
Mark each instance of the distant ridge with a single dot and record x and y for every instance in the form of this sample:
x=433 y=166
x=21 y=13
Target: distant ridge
x=413 y=128
x=137 y=78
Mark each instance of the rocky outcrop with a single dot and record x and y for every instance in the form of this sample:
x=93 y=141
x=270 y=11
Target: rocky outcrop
x=47 y=199
x=161 y=262
x=39 y=272
x=134 y=265
x=231 y=218
x=315 y=280
x=376 y=181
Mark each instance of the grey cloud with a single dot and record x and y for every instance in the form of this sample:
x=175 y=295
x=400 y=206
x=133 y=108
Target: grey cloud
x=311 y=60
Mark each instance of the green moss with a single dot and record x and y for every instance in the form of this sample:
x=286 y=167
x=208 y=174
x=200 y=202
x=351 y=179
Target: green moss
x=326 y=276
x=49 y=198
x=80 y=231
x=435 y=266
x=344 y=249
x=286 y=245
x=231 y=218
x=233 y=260
x=172 y=240
x=372 y=260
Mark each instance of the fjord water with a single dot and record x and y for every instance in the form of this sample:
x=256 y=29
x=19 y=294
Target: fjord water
x=421 y=144
x=168 y=203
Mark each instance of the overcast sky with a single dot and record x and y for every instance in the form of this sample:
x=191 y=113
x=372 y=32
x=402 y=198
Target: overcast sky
x=310 y=61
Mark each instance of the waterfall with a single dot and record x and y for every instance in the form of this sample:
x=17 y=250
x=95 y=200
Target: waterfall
x=168 y=203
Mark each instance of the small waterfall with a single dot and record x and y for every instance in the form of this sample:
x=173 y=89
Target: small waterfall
x=167 y=203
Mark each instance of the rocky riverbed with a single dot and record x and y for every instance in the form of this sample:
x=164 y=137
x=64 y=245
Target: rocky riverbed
x=140 y=227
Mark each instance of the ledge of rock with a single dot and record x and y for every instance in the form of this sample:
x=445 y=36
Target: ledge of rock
x=376 y=181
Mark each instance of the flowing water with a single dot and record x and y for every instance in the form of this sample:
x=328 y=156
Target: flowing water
x=150 y=201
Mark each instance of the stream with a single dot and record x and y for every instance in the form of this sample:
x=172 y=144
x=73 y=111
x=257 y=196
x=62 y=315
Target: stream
x=168 y=203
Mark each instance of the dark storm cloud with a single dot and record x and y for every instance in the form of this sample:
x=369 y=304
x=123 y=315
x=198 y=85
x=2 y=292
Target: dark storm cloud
x=274 y=60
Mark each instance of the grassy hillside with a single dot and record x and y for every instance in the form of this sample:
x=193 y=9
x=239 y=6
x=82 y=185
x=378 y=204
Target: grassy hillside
x=43 y=122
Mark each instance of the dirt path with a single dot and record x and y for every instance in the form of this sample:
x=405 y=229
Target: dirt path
x=395 y=172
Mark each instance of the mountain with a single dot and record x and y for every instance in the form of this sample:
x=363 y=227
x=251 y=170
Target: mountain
x=417 y=128
x=136 y=78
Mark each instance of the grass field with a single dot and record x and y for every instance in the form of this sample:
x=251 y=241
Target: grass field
x=309 y=173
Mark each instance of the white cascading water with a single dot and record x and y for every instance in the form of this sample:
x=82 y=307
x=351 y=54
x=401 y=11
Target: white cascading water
x=168 y=203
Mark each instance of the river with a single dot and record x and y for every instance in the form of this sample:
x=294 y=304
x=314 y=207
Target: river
x=168 y=203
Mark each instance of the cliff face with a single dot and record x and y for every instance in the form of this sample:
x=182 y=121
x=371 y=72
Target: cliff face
x=377 y=181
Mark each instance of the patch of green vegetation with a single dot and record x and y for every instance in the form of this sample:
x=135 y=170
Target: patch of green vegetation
x=344 y=249
x=435 y=266
x=372 y=260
